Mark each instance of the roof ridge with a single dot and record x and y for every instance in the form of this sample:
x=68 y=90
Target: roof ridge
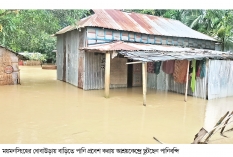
x=139 y=23
x=137 y=13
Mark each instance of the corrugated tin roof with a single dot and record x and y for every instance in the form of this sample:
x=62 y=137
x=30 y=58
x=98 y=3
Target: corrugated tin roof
x=121 y=45
x=113 y=46
x=135 y=22
x=66 y=29
x=156 y=56
x=149 y=52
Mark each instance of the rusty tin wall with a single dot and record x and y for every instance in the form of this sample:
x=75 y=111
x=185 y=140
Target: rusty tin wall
x=69 y=58
x=60 y=56
x=81 y=57
x=94 y=71
x=140 y=23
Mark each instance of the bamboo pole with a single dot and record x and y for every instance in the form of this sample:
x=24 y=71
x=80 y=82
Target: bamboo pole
x=144 y=81
x=218 y=123
x=228 y=118
x=107 y=74
x=186 y=88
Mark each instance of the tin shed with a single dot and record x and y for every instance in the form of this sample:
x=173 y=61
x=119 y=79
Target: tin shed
x=122 y=40
x=9 y=70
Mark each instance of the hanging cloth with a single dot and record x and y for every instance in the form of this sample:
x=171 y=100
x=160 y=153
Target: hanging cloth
x=203 y=68
x=180 y=71
x=157 y=67
x=198 y=71
x=198 y=68
x=168 y=66
x=150 y=67
x=193 y=80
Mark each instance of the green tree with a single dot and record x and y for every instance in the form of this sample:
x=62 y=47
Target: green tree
x=31 y=30
x=6 y=25
x=216 y=23
x=69 y=17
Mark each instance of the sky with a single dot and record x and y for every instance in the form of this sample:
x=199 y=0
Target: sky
x=115 y=4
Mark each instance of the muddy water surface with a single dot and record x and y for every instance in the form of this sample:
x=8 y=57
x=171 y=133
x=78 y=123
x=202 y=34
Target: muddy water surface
x=44 y=110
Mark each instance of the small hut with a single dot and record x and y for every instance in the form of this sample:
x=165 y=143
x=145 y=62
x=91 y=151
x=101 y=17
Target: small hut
x=9 y=70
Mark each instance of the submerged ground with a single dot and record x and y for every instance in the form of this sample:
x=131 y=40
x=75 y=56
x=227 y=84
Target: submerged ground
x=43 y=110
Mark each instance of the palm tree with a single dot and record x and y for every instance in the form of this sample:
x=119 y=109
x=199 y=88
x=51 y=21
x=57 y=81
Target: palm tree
x=216 y=23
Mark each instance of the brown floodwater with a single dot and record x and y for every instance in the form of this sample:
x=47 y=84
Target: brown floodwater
x=43 y=110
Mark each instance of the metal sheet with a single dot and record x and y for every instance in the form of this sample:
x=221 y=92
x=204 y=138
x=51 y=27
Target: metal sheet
x=148 y=52
x=135 y=22
x=59 y=57
x=220 y=79
x=94 y=71
x=68 y=66
x=140 y=50
x=151 y=80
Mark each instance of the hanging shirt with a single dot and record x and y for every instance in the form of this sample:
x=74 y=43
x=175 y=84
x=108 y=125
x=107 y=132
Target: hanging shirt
x=150 y=67
x=168 y=66
x=193 y=80
x=157 y=67
x=203 y=68
x=180 y=71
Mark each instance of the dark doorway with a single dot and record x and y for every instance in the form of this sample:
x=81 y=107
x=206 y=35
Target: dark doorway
x=130 y=75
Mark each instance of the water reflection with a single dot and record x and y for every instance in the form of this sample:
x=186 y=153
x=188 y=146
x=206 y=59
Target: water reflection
x=44 y=110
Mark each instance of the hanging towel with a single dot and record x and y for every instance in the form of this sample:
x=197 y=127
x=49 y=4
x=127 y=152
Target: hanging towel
x=157 y=67
x=193 y=80
x=168 y=66
x=180 y=71
x=203 y=68
x=150 y=67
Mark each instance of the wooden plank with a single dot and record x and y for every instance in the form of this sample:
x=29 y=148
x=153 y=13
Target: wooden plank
x=186 y=88
x=199 y=136
x=107 y=74
x=133 y=62
x=144 y=81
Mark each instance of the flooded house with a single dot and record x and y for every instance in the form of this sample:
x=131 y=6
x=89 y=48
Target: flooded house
x=116 y=49
x=9 y=70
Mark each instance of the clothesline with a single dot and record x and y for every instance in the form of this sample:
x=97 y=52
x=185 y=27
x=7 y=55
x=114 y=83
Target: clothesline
x=178 y=69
